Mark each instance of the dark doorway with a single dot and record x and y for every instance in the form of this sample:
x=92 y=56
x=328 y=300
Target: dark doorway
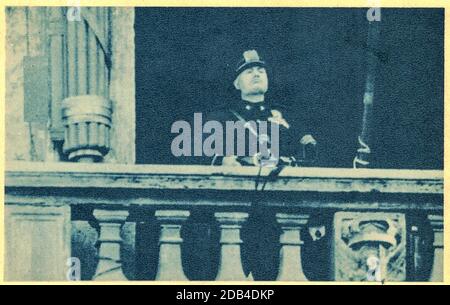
x=317 y=57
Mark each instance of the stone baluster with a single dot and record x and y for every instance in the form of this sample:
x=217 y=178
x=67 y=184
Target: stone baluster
x=437 y=224
x=290 y=254
x=230 y=267
x=110 y=266
x=170 y=267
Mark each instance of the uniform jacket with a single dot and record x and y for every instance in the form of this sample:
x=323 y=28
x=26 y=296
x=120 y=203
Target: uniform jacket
x=291 y=130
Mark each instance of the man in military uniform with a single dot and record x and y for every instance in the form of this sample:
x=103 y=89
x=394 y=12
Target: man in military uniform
x=261 y=232
x=251 y=80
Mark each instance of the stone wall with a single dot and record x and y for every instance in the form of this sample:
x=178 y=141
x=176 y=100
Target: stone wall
x=26 y=35
x=122 y=88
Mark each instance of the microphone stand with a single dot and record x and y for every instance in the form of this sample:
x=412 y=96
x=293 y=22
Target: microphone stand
x=362 y=157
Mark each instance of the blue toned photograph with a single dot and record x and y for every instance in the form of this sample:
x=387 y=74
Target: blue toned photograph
x=225 y=144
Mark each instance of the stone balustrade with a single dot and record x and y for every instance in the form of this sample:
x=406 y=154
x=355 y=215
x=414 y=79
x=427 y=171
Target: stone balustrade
x=369 y=210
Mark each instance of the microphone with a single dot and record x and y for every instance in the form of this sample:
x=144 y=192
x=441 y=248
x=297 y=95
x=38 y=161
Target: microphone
x=307 y=151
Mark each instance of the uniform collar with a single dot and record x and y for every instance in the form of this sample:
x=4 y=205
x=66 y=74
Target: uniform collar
x=254 y=107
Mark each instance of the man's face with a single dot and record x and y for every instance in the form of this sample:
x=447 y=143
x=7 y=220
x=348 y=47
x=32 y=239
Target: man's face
x=252 y=81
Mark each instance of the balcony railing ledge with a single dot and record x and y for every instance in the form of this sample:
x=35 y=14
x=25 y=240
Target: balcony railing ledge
x=194 y=177
x=42 y=199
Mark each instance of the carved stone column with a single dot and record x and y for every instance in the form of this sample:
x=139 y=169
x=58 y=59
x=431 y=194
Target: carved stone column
x=170 y=267
x=290 y=255
x=110 y=265
x=57 y=70
x=437 y=223
x=87 y=121
x=369 y=246
x=230 y=266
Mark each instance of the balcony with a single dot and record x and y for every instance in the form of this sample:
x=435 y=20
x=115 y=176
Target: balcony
x=192 y=223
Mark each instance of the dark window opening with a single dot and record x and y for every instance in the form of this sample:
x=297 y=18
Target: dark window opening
x=185 y=59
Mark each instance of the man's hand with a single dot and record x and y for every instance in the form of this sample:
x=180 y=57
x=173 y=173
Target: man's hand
x=308 y=139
